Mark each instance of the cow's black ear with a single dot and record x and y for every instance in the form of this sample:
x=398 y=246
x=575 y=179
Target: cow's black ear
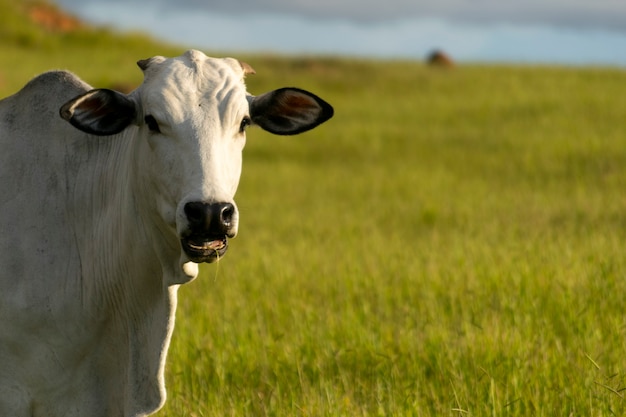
x=289 y=111
x=100 y=112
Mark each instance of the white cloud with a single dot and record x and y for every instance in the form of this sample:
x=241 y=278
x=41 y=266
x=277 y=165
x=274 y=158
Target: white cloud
x=402 y=38
x=598 y=14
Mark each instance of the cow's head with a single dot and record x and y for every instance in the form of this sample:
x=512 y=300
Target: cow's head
x=193 y=112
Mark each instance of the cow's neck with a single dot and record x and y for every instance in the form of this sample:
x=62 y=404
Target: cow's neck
x=117 y=224
x=126 y=257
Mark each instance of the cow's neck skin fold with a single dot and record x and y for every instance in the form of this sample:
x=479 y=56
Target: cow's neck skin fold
x=127 y=279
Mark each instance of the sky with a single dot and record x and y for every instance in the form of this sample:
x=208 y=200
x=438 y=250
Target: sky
x=562 y=32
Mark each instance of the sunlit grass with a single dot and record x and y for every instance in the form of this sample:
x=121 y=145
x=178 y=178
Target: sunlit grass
x=450 y=244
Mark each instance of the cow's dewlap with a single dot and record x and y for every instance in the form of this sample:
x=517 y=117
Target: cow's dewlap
x=190 y=269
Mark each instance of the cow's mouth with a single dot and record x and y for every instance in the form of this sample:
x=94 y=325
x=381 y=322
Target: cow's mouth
x=204 y=248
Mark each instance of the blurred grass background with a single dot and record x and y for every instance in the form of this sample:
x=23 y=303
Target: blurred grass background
x=450 y=243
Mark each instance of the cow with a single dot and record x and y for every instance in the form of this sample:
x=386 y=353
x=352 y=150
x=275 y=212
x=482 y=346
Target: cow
x=108 y=203
x=439 y=58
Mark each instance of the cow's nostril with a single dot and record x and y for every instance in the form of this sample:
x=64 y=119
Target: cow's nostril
x=226 y=214
x=197 y=213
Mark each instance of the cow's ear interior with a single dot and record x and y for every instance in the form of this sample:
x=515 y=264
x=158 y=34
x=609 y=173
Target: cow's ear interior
x=289 y=111
x=100 y=112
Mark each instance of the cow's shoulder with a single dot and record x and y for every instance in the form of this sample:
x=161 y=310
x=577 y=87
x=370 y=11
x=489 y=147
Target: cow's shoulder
x=48 y=90
x=35 y=108
x=55 y=81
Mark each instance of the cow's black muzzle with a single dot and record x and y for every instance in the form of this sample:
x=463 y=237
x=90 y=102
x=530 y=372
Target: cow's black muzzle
x=209 y=227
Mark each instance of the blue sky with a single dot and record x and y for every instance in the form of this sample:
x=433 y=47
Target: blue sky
x=569 y=32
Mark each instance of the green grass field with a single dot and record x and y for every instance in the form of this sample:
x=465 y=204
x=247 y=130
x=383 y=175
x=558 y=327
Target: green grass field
x=451 y=243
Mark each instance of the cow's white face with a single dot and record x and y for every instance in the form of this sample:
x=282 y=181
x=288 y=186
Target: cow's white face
x=193 y=111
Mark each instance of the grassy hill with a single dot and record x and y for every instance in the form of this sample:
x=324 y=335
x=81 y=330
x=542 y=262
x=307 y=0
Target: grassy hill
x=451 y=243
x=36 y=36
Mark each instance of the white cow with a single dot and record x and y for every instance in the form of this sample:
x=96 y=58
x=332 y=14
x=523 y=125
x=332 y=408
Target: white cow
x=103 y=217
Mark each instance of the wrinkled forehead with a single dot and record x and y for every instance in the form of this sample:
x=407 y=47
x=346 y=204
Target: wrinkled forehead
x=192 y=78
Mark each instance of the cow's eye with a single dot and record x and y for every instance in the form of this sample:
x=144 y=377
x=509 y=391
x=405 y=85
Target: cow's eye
x=152 y=124
x=244 y=124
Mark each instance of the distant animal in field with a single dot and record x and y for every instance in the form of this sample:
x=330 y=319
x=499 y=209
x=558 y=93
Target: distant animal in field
x=108 y=202
x=439 y=58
